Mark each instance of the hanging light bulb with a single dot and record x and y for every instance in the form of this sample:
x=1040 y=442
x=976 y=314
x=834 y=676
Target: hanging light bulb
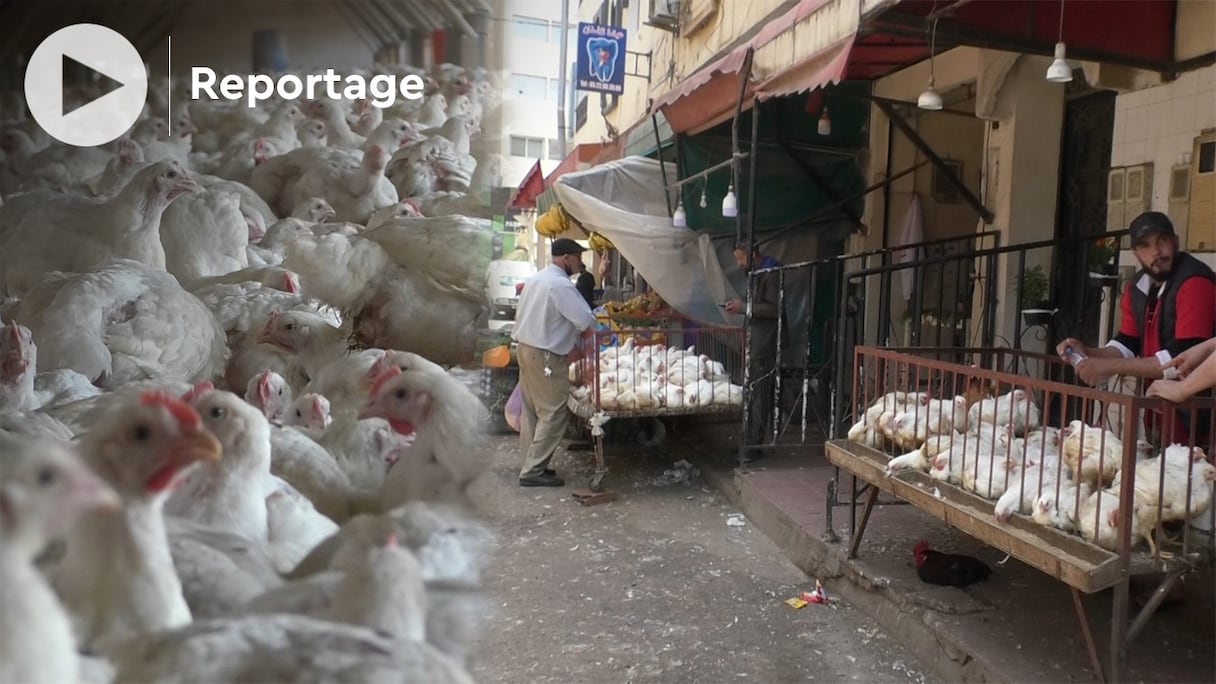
x=730 y=204
x=680 y=218
x=931 y=99
x=1059 y=71
x=825 y=122
x=703 y=202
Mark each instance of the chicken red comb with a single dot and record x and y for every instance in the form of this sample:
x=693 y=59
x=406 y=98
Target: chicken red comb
x=199 y=389
x=14 y=332
x=180 y=410
x=384 y=377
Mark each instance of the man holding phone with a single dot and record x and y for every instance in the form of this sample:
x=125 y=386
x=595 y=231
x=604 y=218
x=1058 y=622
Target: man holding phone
x=764 y=365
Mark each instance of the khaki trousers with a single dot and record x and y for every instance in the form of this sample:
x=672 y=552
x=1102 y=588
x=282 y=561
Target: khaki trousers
x=545 y=416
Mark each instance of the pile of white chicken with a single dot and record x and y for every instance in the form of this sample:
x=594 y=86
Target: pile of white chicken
x=227 y=450
x=633 y=377
x=1068 y=479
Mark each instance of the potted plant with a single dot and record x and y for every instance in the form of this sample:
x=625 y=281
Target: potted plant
x=1033 y=291
x=1102 y=255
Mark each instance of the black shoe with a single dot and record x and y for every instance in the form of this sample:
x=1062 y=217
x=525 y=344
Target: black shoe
x=754 y=454
x=550 y=472
x=542 y=480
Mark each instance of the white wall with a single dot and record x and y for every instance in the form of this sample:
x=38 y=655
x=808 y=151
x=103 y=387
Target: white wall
x=1159 y=125
x=220 y=34
x=530 y=117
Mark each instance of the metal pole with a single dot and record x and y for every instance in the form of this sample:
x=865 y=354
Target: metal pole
x=658 y=143
x=751 y=247
x=562 y=78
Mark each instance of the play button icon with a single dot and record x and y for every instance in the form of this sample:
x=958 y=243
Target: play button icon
x=115 y=85
x=104 y=84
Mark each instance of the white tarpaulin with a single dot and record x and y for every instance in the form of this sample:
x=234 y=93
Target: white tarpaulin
x=913 y=233
x=623 y=201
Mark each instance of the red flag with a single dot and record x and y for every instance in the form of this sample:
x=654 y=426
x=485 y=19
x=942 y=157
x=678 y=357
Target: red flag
x=531 y=188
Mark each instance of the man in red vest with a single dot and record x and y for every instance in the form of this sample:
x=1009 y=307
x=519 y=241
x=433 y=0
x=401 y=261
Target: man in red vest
x=1168 y=307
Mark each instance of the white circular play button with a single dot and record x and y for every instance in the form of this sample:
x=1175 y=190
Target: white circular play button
x=116 y=70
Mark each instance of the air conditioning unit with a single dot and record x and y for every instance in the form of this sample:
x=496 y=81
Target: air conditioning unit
x=1115 y=189
x=665 y=15
x=1138 y=192
x=1201 y=224
x=696 y=14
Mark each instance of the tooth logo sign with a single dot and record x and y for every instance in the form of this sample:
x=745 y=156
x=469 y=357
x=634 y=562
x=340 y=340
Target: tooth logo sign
x=602 y=58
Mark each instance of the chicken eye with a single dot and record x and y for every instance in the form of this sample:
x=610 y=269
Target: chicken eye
x=46 y=476
x=142 y=433
x=401 y=394
x=217 y=412
x=289 y=327
x=172 y=174
x=299 y=414
x=280 y=391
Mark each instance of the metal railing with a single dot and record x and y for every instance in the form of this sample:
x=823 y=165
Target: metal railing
x=1077 y=482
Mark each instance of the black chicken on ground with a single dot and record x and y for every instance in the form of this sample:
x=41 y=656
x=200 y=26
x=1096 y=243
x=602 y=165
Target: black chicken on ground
x=947 y=569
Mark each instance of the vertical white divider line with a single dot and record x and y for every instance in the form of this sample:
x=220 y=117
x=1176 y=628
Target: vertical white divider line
x=169 y=73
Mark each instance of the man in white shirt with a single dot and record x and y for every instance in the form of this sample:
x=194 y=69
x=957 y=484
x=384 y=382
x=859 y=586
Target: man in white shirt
x=549 y=322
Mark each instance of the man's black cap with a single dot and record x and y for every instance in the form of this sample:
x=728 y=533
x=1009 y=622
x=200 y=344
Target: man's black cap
x=564 y=246
x=1148 y=223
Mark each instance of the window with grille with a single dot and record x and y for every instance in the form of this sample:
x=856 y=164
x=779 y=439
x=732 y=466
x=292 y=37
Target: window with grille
x=555 y=149
x=532 y=148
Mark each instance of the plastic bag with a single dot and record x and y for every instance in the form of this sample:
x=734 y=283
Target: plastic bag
x=515 y=408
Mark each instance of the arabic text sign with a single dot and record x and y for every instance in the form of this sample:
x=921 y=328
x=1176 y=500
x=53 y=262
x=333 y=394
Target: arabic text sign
x=601 y=59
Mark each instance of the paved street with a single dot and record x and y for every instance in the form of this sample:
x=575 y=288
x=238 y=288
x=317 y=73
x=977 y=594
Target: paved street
x=654 y=587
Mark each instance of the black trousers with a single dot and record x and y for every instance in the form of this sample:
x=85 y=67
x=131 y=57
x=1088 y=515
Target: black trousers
x=762 y=406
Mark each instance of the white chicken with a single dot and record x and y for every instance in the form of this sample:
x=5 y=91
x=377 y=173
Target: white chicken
x=44 y=488
x=116 y=576
x=1091 y=454
x=444 y=414
x=1098 y=520
x=239 y=494
x=78 y=235
x=270 y=393
x=125 y=321
x=204 y=234
x=1176 y=485
x=1016 y=408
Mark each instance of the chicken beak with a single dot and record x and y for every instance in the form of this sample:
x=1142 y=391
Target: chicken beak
x=197 y=446
x=181 y=187
x=184 y=451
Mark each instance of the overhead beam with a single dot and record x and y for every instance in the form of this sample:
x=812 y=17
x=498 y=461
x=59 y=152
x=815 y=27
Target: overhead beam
x=376 y=12
x=906 y=128
x=456 y=18
x=821 y=183
x=951 y=33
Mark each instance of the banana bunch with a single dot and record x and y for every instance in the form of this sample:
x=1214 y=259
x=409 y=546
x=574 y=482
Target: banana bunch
x=600 y=243
x=553 y=222
x=649 y=303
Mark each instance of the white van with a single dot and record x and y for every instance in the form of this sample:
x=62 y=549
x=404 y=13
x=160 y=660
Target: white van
x=502 y=276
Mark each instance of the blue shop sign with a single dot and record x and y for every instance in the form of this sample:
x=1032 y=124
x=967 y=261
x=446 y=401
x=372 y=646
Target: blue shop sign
x=601 y=58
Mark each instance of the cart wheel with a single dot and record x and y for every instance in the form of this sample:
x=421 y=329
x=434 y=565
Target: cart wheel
x=597 y=482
